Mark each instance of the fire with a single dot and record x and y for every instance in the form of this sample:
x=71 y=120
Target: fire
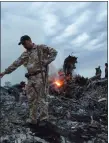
x=58 y=83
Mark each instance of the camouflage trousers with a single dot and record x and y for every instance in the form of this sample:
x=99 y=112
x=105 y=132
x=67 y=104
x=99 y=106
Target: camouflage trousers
x=38 y=108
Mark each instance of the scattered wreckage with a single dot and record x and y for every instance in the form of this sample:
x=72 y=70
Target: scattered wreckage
x=77 y=112
x=61 y=85
x=72 y=120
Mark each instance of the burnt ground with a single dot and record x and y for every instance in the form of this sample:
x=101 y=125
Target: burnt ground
x=82 y=118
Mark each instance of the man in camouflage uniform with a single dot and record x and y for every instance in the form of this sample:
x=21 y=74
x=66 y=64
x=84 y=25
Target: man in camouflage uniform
x=35 y=89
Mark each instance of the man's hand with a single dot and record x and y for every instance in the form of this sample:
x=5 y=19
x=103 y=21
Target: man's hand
x=2 y=74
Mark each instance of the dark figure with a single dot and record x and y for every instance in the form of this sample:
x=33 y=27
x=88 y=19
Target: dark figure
x=106 y=70
x=16 y=90
x=80 y=80
x=69 y=65
x=20 y=86
x=98 y=72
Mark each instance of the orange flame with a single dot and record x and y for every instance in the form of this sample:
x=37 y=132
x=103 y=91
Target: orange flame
x=58 y=83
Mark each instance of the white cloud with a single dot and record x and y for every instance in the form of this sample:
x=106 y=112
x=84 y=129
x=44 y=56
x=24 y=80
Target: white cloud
x=83 y=18
x=91 y=47
x=80 y=40
x=102 y=16
x=57 y=39
x=50 y=24
x=75 y=27
x=68 y=9
x=70 y=30
x=93 y=42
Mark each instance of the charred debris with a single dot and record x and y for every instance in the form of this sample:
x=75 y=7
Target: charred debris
x=77 y=110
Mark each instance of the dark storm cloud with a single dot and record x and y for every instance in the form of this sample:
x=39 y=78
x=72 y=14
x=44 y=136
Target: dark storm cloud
x=79 y=27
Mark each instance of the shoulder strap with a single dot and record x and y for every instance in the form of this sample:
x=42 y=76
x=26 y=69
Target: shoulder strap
x=39 y=57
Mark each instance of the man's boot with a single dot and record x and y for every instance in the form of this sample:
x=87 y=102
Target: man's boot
x=43 y=119
x=31 y=121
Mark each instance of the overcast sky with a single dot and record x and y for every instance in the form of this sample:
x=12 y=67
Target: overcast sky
x=79 y=27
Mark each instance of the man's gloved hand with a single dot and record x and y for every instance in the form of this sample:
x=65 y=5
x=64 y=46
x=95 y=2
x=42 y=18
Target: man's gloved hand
x=2 y=74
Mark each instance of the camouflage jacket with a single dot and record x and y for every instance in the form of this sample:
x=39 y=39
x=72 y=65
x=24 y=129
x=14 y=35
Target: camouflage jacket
x=30 y=59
